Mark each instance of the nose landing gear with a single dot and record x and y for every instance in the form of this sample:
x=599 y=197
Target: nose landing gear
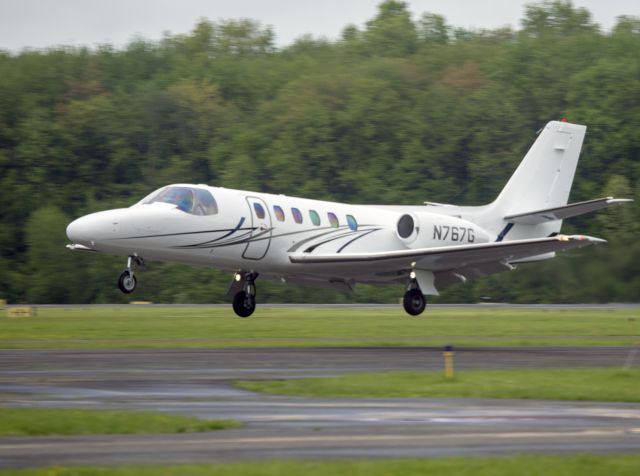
x=243 y=289
x=127 y=281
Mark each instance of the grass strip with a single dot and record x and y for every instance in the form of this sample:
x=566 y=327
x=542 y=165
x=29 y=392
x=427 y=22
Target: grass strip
x=615 y=385
x=583 y=465
x=153 y=327
x=39 y=422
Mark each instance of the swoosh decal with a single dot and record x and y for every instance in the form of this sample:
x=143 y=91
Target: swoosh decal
x=231 y=241
x=236 y=241
x=307 y=240
x=229 y=233
x=337 y=237
x=242 y=238
x=179 y=234
x=357 y=238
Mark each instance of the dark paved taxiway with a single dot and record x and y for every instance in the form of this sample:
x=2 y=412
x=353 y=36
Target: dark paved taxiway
x=199 y=382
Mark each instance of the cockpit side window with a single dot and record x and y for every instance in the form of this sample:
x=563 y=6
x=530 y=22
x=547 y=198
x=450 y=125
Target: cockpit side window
x=205 y=203
x=152 y=196
x=180 y=196
x=196 y=201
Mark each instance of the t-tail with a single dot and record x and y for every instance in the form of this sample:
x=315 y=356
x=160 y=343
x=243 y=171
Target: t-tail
x=534 y=201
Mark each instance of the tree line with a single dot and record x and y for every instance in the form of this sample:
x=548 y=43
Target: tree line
x=398 y=111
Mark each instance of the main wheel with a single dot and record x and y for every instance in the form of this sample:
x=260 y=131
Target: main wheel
x=127 y=282
x=244 y=304
x=414 y=302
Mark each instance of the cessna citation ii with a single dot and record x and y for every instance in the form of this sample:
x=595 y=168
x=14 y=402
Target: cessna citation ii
x=425 y=248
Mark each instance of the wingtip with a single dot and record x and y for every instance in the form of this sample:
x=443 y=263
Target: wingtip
x=590 y=239
x=620 y=201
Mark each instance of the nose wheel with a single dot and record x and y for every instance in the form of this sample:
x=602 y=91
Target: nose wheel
x=244 y=295
x=127 y=281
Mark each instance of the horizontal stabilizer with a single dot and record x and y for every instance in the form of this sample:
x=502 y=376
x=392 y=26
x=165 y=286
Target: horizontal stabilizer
x=566 y=211
x=451 y=257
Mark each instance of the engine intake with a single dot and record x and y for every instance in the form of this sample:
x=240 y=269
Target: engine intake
x=406 y=228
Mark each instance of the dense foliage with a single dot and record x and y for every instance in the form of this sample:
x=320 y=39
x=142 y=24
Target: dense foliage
x=400 y=111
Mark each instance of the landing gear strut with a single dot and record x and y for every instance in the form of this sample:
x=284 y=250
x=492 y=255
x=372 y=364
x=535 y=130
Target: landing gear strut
x=414 y=301
x=127 y=281
x=244 y=300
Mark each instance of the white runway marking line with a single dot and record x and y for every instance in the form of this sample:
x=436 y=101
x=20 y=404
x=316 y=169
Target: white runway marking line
x=86 y=444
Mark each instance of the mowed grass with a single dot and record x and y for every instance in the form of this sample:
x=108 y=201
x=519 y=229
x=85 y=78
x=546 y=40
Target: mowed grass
x=157 y=327
x=583 y=465
x=37 y=421
x=616 y=385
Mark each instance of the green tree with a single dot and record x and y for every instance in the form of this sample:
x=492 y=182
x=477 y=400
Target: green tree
x=391 y=32
x=398 y=111
x=53 y=275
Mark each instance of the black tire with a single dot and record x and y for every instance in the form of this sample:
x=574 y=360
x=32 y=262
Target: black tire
x=127 y=282
x=243 y=304
x=414 y=302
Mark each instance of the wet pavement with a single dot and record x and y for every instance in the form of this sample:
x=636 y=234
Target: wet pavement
x=199 y=382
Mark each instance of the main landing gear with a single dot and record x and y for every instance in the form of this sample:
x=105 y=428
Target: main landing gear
x=243 y=289
x=414 y=301
x=127 y=281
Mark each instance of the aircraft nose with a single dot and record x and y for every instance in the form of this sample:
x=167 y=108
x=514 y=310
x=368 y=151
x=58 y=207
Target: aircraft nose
x=78 y=230
x=96 y=227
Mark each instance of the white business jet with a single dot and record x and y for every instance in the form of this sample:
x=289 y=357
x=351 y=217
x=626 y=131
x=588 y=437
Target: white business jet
x=425 y=248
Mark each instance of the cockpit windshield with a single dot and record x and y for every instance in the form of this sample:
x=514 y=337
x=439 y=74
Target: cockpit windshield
x=195 y=201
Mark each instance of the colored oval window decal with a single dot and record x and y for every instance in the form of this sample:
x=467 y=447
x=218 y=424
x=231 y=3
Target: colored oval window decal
x=297 y=216
x=353 y=224
x=315 y=218
x=259 y=210
x=278 y=212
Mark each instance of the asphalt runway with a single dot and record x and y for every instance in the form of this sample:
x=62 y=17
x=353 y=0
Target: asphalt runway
x=199 y=382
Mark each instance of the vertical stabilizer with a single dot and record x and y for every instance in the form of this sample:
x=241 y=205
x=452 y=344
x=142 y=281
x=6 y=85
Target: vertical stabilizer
x=542 y=180
x=544 y=177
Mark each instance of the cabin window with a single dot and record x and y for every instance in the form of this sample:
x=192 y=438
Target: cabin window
x=259 y=210
x=196 y=201
x=297 y=216
x=353 y=224
x=333 y=220
x=315 y=218
x=278 y=212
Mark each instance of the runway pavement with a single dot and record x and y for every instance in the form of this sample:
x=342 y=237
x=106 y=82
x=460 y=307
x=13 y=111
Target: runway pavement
x=199 y=382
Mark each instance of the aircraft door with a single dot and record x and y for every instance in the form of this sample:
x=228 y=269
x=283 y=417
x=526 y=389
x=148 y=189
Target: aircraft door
x=260 y=239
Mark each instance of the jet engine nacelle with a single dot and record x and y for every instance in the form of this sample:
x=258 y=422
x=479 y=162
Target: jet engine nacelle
x=425 y=230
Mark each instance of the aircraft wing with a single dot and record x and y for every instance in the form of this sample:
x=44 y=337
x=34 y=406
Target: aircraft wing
x=449 y=258
x=566 y=211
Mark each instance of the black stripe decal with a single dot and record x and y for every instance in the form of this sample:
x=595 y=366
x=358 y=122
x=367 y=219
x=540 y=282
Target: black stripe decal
x=307 y=240
x=259 y=237
x=242 y=238
x=179 y=234
x=333 y=238
x=229 y=233
x=504 y=232
x=356 y=238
